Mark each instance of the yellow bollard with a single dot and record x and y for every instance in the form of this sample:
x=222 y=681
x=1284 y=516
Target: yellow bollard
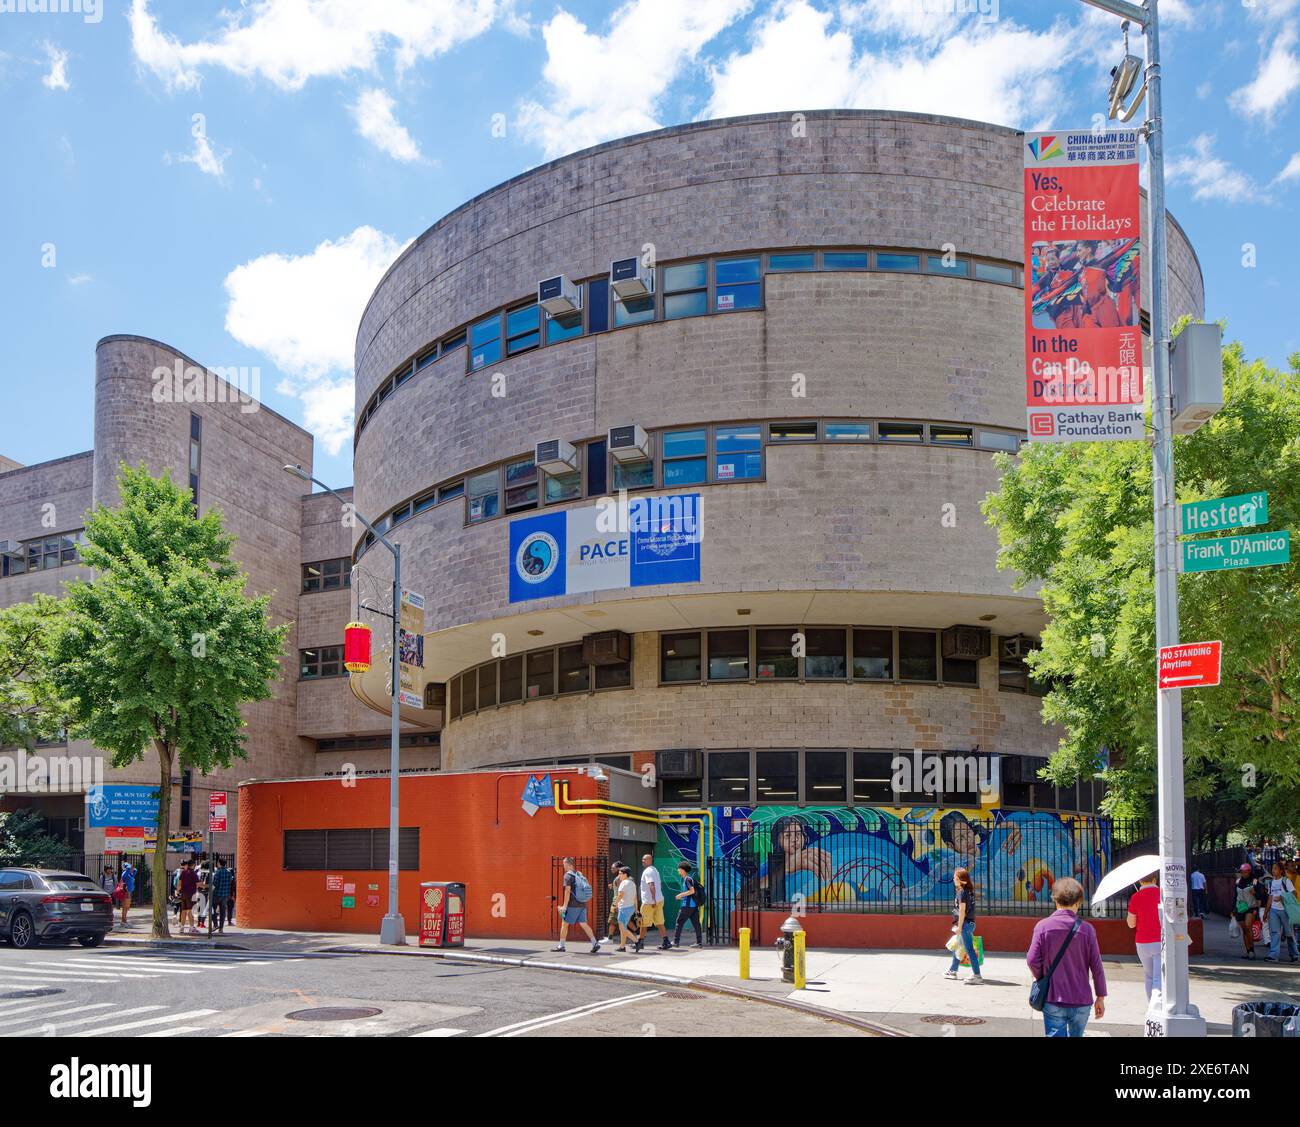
x=799 y=979
x=744 y=952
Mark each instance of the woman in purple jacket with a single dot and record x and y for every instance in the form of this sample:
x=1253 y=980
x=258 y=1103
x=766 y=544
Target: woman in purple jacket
x=1069 y=997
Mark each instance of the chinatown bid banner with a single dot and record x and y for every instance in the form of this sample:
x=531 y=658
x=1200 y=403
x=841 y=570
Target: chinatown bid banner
x=1083 y=333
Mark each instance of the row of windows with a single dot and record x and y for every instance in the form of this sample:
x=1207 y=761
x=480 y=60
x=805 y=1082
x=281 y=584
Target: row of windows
x=43 y=554
x=378 y=743
x=327 y=575
x=350 y=850
x=698 y=455
x=322 y=661
x=547 y=673
x=817 y=777
x=683 y=289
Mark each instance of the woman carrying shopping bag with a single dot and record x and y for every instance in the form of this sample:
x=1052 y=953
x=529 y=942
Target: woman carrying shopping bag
x=963 y=928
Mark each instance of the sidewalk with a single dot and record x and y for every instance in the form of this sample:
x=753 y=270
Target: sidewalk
x=903 y=990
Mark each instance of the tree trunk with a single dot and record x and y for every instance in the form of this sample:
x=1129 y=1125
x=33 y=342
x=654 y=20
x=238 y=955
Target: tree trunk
x=159 y=866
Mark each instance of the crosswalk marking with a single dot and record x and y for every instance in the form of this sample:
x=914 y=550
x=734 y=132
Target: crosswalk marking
x=46 y=1026
x=110 y=963
x=80 y=973
x=567 y=1015
x=25 y=1020
x=439 y=1033
x=173 y=1032
x=44 y=972
x=187 y=1016
x=247 y=1033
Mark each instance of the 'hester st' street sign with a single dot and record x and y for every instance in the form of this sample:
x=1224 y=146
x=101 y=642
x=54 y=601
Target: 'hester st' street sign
x=1245 y=510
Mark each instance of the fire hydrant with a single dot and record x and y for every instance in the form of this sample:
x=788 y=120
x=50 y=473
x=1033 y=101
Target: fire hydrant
x=790 y=948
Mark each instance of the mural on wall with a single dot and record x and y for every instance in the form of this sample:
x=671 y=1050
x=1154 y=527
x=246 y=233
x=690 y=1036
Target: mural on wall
x=901 y=856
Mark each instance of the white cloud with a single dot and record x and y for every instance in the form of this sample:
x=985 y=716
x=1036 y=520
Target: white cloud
x=302 y=312
x=604 y=86
x=1276 y=80
x=1210 y=177
x=963 y=66
x=80 y=279
x=204 y=157
x=57 y=79
x=1290 y=172
x=373 y=113
x=289 y=42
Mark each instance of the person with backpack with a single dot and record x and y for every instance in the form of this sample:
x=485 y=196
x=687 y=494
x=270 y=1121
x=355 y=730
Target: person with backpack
x=1280 y=891
x=1062 y=954
x=1246 y=907
x=126 y=883
x=689 y=902
x=573 y=909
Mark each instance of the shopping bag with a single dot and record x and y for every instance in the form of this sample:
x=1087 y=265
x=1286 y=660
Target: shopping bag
x=1234 y=928
x=954 y=943
x=964 y=957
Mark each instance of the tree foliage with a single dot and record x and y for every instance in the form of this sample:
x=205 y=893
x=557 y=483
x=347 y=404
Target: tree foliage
x=1077 y=519
x=162 y=647
x=24 y=840
x=30 y=708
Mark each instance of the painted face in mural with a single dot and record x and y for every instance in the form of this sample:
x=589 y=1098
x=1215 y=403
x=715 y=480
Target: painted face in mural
x=792 y=838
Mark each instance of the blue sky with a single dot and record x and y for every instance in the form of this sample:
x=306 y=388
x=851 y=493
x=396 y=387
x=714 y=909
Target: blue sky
x=330 y=132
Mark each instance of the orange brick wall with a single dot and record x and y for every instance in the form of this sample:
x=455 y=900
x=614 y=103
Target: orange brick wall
x=472 y=829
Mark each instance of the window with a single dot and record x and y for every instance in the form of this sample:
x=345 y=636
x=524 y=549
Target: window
x=737 y=284
x=774 y=655
x=194 y=456
x=848 y=432
x=944 y=435
x=487 y=685
x=426 y=502
x=541 y=674
x=679 y=657
x=454 y=489
x=738 y=453
x=523 y=329
x=187 y=796
x=993 y=440
x=960 y=671
x=575 y=674
x=782 y=263
x=776 y=776
x=935 y=264
x=453 y=705
x=729 y=776
x=483 y=492
x=634 y=475
x=987 y=272
x=898 y=261
x=597 y=468
x=873 y=775
x=685 y=457
x=598 y=305
x=617 y=676
x=512 y=679
x=566 y=326
x=456 y=340
x=633 y=310
x=1014 y=675
x=563 y=487
x=901 y=432
x=422 y=362
x=469 y=691
x=686 y=290
x=918 y=655
x=728 y=655
x=521 y=485
x=792 y=432
x=401 y=513
x=485 y=343
x=327 y=575
x=844 y=260
x=196 y=438
x=45 y=554
x=825 y=655
x=823 y=776
x=323 y=661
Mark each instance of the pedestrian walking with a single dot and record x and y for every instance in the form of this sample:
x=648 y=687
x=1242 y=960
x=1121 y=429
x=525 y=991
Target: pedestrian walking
x=188 y=884
x=689 y=901
x=652 y=904
x=625 y=900
x=126 y=882
x=219 y=896
x=108 y=882
x=963 y=926
x=1198 y=892
x=1245 y=909
x=1064 y=951
x=1144 y=919
x=1280 y=890
x=230 y=900
x=573 y=908
x=611 y=917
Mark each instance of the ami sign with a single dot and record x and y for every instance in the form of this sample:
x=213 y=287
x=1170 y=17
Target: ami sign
x=1192 y=665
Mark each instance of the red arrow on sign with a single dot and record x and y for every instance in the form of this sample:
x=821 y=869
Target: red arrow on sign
x=1191 y=665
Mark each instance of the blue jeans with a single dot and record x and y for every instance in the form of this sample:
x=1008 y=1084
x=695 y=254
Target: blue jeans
x=1065 y=1021
x=968 y=941
x=1280 y=927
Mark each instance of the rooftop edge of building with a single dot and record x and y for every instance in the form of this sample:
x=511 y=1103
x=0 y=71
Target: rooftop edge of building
x=18 y=469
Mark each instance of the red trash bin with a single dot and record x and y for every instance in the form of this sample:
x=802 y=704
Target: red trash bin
x=442 y=913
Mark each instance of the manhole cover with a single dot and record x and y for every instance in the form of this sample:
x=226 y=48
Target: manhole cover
x=682 y=995
x=334 y=1013
x=952 y=1019
x=42 y=992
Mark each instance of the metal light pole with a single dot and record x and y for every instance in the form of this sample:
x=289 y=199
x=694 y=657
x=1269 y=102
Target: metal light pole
x=1177 y=1017
x=392 y=929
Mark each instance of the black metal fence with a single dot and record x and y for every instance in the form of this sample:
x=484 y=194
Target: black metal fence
x=597 y=871
x=93 y=865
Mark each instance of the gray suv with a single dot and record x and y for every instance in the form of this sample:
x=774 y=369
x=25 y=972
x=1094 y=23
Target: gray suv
x=38 y=904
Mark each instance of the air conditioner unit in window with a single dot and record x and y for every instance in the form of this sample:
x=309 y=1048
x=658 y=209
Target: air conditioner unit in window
x=11 y=548
x=558 y=296
x=1018 y=645
x=967 y=642
x=556 y=456
x=435 y=695
x=609 y=647
x=628 y=278
x=677 y=764
x=629 y=444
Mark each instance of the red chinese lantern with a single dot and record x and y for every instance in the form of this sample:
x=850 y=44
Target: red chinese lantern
x=356 y=647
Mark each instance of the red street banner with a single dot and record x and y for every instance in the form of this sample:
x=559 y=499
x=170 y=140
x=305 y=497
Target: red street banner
x=1192 y=665
x=217 y=812
x=1083 y=330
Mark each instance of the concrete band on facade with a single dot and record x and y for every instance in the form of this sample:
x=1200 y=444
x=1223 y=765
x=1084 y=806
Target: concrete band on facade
x=849 y=536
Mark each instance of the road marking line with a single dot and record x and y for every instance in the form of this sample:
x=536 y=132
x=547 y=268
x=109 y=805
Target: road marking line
x=247 y=1033
x=107 y=962
x=47 y=1005
x=148 y=1021
x=173 y=1032
x=439 y=1033
x=576 y=1011
x=44 y=972
x=41 y=1027
x=75 y=973
x=574 y=1017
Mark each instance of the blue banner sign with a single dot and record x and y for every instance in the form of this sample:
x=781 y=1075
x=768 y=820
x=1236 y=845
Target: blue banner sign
x=121 y=804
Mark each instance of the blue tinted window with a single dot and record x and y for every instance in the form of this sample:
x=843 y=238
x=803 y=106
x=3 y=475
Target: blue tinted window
x=844 y=260
x=694 y=304
x=523 y=329
x=848 y=432
x=597 y=469
x=634 y=311
x=565 y=327
x=685 y=471
x=777 y=263
x=485 y=343
x=737 y=270
x=684 y=457
x=898 y=261
x=987 y=272
x=738 y=453
x=689 y=276
x=598 y=305
x=683 y=443
x=934 y=264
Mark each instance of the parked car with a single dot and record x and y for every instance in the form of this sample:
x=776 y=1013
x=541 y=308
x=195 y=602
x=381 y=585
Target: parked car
x=39 y=904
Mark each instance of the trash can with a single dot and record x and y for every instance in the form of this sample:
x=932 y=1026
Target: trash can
x=1266 y=1019
x=442 y=913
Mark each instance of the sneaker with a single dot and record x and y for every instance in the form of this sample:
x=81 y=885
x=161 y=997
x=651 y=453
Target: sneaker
x=595 y=949
x=666 y=945
x=950 y=974
x=698 y=946
x=640 y=946
x=975 y=980
x=620 y=948
x=558 y=947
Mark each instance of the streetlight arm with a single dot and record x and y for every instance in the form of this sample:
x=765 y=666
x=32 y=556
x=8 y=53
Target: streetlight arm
x=1134 y=12
x=297 y=471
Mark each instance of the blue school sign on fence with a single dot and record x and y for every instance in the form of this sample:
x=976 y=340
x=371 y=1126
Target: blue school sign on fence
x=121 y=804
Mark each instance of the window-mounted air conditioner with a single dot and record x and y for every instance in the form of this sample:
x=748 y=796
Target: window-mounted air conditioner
x=677 y=764
x=609 y=647
x=629 y=443
x=555 y=456
x=435 y=695
x=967 y=642
x=558 y=296
x=628 y=278
x=1018 y=645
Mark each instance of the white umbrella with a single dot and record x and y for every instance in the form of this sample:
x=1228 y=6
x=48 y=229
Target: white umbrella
x=1119 y=878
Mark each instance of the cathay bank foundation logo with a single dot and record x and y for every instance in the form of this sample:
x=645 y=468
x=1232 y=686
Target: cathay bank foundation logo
x=537 y=557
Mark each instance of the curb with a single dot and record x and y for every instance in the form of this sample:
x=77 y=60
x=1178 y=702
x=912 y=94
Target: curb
x=705 y=985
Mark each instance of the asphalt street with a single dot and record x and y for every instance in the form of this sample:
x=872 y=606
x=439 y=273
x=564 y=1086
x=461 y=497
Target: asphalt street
x=59 y=991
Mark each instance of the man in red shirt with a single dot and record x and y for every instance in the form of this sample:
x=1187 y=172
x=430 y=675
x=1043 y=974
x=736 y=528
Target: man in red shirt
x=1144 y=918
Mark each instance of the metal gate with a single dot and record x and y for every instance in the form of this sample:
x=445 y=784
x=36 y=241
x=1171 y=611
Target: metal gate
x=733 y=899
x=596 y=870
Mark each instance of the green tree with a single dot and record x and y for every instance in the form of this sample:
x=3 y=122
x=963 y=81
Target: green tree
x=29 y=705
x=162 y=647
x=1076 y=518
x=24 y=840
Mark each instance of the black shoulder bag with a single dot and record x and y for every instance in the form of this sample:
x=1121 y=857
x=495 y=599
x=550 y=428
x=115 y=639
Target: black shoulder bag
x=1038 y=992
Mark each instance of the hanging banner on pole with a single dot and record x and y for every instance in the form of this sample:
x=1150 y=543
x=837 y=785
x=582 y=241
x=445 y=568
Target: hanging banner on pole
x=1083 y=332
x=411 y=686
